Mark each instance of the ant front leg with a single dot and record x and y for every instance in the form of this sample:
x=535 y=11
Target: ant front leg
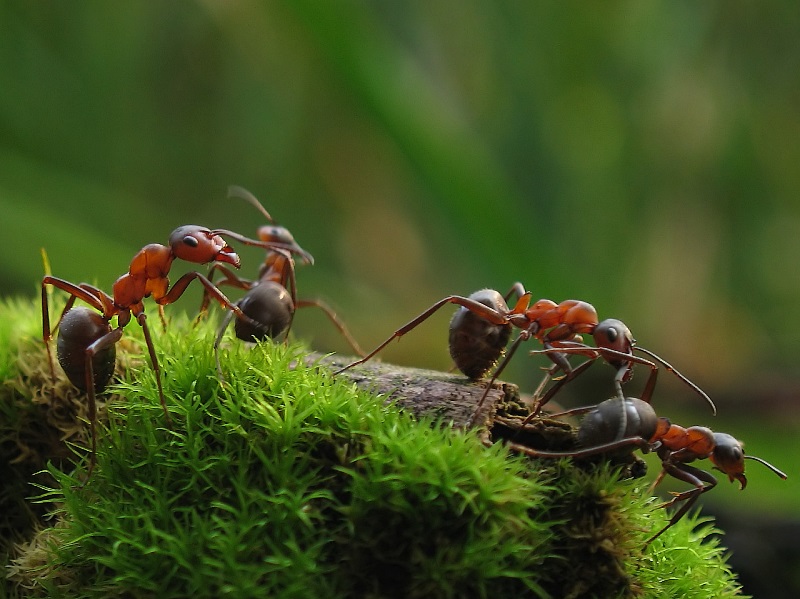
x=179 y=287
x=490 y=314
x=702 y=481
x=545 y=399
x=228 y=278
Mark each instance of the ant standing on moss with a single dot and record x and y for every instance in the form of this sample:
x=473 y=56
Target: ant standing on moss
x=87 y=340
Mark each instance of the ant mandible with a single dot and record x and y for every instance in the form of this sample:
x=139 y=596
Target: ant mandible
x=676 y=446
x=271 y=300
x=87 y=340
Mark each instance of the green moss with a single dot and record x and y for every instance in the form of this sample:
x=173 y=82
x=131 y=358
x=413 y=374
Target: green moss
x=289 y=483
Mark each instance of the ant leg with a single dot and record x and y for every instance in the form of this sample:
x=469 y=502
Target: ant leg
x=573 y=411
x=622 y=373
x=229 y=278
x=162 y=317
x=693 y=476
x=222 y=327
x=635 y=442
x=555 y=389
x=650 y=385
x=67 y=307
x=104 y=342
x=537 y=394
x=335 y=320
x=141 y=318
x=289 y=281
x=181 y=284
x=493 y=316
x=523 y=336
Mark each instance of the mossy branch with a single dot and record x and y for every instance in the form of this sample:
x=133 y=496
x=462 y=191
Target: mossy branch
x=290 y=482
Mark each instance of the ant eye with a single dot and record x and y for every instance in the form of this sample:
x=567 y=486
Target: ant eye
x=612 y=334
x=191 y=241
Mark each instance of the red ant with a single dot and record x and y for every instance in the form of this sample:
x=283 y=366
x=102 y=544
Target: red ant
x=676 y=446
x=87 y=341
x=482 y=326
x=270 y=301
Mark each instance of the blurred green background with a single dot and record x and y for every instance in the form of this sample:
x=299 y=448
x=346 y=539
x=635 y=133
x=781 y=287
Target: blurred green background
x=643 y=156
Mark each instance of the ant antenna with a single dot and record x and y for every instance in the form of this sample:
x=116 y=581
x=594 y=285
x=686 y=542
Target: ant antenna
x=674 y=371
x=768 y=465
x=235 y=191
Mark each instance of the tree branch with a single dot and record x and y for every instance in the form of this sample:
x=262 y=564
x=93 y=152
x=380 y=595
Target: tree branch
x=450 y=397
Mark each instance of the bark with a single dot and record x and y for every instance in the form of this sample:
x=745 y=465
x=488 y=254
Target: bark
x=447 y=396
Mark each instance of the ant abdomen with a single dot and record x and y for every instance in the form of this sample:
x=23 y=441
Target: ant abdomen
x=602 y=424
x=79 y=328
x=268 y=304
x=475 y=343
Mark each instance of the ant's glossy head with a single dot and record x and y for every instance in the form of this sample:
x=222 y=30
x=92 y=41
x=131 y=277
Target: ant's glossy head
x=276 y=234
x=728 y=456
x=201 y=246
x=613 y=334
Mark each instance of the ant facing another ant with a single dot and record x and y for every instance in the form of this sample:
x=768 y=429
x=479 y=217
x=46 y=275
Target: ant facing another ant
x=87 y=340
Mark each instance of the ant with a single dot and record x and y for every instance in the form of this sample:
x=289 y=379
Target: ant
x=86 y=345
x=481 y=328
x=675 y=445
x=271 y=300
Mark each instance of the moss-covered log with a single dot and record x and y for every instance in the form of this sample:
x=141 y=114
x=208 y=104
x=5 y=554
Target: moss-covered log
x=290 y=482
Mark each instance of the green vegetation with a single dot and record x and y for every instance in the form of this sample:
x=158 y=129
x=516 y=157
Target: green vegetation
x=289 y=483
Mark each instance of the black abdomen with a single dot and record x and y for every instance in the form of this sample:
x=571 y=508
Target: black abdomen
x=79 y=328
x=476 y=344
x=271 y=306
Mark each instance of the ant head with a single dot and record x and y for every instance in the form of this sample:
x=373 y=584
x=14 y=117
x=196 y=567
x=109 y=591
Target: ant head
x=728 y=456
x=282 y=235
x=201 y=246
x=276 y=234
x=614 y=334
